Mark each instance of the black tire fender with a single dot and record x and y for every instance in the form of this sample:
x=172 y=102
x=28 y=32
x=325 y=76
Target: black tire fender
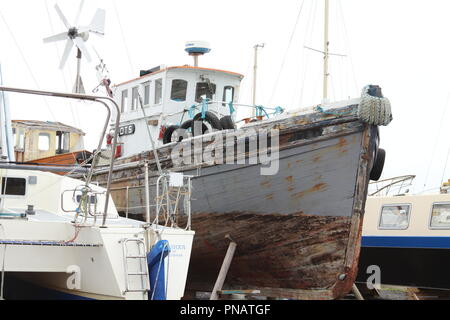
x=378 y=166
x=210 y=118
x=227 y=123
x=167 y=138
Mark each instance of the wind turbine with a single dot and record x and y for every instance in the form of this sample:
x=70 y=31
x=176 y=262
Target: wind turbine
x=77 y=36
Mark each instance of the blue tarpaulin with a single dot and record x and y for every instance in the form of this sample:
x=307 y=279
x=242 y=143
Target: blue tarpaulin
x=156 y=267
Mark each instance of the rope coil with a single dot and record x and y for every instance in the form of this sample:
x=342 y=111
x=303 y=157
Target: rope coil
x=375 y=110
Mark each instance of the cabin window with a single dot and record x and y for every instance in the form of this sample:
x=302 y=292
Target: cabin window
x=21 y=140
x=158 y=91
x=205 y=90
x=21 y=143
x=135 y=98
x=124 y=101
x=179 y=90
x=228 y=94
x=147 y=93
x=440 y=216
x=14 y=137
x=395 y=217
x=13 y=186
x=44 y=142
x=62 y=142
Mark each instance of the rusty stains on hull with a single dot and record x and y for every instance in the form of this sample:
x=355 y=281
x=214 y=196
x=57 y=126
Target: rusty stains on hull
x=294 y=251
x=316 y=188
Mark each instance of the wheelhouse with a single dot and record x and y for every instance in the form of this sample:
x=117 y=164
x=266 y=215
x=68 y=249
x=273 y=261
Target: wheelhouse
x=171 y=97
x=35 y=140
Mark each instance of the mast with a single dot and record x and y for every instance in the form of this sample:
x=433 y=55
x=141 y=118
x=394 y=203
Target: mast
x=326 y=51
x=5 y=124
x=255 y=74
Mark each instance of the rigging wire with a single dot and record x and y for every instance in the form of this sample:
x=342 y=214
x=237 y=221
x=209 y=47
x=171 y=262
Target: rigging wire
x=31 y=73
x=123 y=37
x=441 y=125
x=286 y=53
x=28 y=67
x=309 y=29
x=445 y=167
x=347 y=40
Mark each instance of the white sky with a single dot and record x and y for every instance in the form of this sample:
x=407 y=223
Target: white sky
x=401 y=45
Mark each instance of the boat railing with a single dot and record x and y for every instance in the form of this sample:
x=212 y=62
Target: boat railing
x=172 y=191
x=87 y=201
x=164 y=207
x=217 y=108
x=106 y=102
x=391 y=187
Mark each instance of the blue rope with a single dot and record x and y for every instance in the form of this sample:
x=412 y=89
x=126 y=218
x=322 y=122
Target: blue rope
x=191 y=111
x=231 y=106
x=279 y=110
x=205 y=103
x=260 y=111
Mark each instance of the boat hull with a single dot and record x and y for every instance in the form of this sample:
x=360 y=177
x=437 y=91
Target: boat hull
x=298 y=231
x=419 y=262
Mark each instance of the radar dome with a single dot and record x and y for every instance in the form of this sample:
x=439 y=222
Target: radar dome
x=197 y=47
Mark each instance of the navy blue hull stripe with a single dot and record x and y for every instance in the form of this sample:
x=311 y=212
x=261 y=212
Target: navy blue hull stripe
x=407 y=242
x=17 y=289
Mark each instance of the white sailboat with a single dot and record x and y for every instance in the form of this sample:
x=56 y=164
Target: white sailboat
x=62 y=238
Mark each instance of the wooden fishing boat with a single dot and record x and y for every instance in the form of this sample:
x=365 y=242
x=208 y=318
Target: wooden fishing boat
x=298 y=231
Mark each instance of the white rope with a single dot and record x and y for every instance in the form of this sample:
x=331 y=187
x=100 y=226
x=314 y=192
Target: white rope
x=374 y=110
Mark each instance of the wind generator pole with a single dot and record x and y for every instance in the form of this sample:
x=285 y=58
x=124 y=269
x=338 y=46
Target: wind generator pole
x=78 y=84
x=255 y=74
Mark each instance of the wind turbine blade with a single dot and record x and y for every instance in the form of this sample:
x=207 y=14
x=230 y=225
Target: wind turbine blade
x=67 y=50
x=58 y=37
x=79 y=13
x=63 y=18
x=98 y=22
x=80 y=45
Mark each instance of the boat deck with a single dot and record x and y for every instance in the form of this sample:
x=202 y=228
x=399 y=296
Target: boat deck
x=45 y=216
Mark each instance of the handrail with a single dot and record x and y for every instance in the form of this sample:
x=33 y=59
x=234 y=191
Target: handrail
x=93 y=98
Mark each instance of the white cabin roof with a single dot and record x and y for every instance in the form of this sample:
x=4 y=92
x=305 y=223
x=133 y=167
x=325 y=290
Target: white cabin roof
x=238 y=75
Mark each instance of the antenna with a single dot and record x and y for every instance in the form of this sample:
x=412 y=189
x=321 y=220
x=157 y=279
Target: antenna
x=196 y=49
x=255 y=74
x=77 y=36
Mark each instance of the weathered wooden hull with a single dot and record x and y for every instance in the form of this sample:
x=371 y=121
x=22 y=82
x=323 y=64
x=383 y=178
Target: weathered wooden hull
x=66 y=159
x=298 y=232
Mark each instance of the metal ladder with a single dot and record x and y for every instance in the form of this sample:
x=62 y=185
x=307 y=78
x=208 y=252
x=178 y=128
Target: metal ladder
x=142 y=267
